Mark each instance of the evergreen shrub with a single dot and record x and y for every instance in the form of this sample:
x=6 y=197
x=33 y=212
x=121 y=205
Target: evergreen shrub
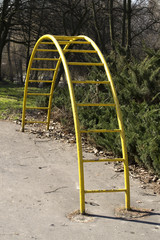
x=138 y=90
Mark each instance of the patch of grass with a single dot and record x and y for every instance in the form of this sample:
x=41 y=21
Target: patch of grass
x=11 y=100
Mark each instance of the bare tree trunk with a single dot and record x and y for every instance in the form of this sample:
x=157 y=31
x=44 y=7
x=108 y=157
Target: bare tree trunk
x=96 y=25
x=10 y=63
x=41 y=20
x=1 y=64
x=3 y=30
x=124 y=23
x=71 y=13
x=29 y=36
x=8 y=11
x=15 y=63
x=111 y=23
x=128 y=28
x=21 y=71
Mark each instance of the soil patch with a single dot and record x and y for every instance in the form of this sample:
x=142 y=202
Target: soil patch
x=77 y=217
x=132 y=213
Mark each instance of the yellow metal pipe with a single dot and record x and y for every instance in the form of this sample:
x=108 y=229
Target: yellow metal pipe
x=76 y=123
x=100 y=131
x=67 y=50
x=35 y=122
x=48 y=43
x=51 y=91
x=61 y=37
x=45 y=59
x=79 y=51
x=103 y=191
x=96 y=104
x=85 y=63
x=42 y=69
x=77 y=130
x=45 y=81
x=104 y=160
x=36 y=107
x=47 y=50
x=120 y=122
x=73 y=42
x=38 y=94
x=26 y=83
x=91 y=82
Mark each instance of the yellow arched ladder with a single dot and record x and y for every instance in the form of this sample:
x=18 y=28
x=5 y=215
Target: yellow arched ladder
x=59 y=46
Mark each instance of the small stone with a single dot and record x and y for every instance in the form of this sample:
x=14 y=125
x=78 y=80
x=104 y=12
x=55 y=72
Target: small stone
x=119 y=170
x=154 y=179
x=95 y=150
x=158 y=181
x=91 y=151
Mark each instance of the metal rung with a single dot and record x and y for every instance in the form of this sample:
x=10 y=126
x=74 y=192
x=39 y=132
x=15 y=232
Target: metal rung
x=96 y=104
x=35 y=122
x=43 y=69
x=39 y=94
x=79 y=51
x=47 y=43
x=100 y=130
x=45 y=81
x=85 y=64
x=103 y=191
x=46 y=59
x=66 y=41
x=91 y=82
x=104 y=160
x=67 y=50
x=47 y=50
x=61 y=37
x=36 y=107
x=73 y=42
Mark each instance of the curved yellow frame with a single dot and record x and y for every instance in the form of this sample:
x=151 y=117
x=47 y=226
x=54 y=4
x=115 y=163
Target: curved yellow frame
x=66 y=41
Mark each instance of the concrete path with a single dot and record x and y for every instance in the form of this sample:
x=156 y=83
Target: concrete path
x=39 y=189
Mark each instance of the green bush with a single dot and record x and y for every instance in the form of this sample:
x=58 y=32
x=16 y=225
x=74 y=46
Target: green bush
x=138 y=90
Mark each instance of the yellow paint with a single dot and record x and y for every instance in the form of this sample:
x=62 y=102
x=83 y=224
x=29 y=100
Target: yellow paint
x=46 y=59
x=85 y=64
x=96 y=104
x=38 y=94
x=57 y=42
x=105 y=160
x=104 y=191
x=100 y=131
x=91 y=82
x=36 y=107
x=44 y=81
x=79 y=51
x=42 y=69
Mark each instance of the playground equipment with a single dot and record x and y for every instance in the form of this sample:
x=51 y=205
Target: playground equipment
x=59 y=46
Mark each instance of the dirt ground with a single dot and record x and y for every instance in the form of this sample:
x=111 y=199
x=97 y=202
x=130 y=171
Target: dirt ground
x=40 y=196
